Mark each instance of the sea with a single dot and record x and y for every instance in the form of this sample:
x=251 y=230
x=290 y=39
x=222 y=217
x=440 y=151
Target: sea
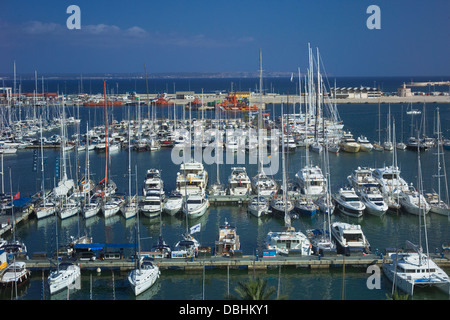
x=388 y=231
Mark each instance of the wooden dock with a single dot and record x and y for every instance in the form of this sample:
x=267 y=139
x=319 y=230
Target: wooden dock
x=248 y=262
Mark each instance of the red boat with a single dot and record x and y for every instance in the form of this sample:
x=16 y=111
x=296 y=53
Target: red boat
x=162 y=101
x=195 y=104
x=231 y=103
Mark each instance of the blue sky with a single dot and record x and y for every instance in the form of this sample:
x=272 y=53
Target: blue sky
x=225 y=36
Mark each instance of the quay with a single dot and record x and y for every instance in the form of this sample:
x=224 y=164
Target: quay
x=249 y=262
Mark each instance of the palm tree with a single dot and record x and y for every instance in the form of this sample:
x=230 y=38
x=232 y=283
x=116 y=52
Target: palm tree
x=254 y=289
x=397 y=296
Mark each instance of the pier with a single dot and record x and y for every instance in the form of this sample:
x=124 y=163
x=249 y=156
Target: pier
x=228 y=199
x=249 y=262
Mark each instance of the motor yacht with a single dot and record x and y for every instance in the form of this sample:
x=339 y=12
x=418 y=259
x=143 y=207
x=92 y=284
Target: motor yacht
x=349 y=144
x=16 y=273
x=349 y=238
x=364 y=143
x=287 y=240
x=413 y=202
x=347 y=202
x=173 y=203
x=390 y=180
x=311 y=181
x=362 y=178
x=374 y=201
x=239 y=182
x=228 y=240
x=264 y=185
x=153 y=184
x=195 y=205
x=151 y=206
x=192 y=178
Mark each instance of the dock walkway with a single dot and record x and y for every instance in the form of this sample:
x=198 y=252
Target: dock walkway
x=249 y=262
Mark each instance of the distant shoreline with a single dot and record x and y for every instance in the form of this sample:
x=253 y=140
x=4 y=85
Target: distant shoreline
x=195 y=75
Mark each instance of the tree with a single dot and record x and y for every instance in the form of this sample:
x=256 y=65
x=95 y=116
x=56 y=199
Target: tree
x=397 y=296
x=254 y=289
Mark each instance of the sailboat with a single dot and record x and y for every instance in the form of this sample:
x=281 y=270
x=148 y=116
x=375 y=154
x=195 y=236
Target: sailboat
x=131 y=208
x=388 y=145
x=262 y=183
x=111 y=204
x=377 y=145
x=409 y=270
x=188 y=246
x=310 y=179
x=70 y=207
x=146 y=273
x=93 y=205
x=16 y=273
x=65 y=186
x=322 y=242
x=437 y=204
x=288 y=239
x=47 y=207
x=217 y=188
x=283 y=205
x=65 y=275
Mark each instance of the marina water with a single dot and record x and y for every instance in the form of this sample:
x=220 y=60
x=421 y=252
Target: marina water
x=388 y=231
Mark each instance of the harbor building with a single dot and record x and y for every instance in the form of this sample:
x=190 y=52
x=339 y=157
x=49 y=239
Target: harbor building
x=356 y=93
x=404 y=91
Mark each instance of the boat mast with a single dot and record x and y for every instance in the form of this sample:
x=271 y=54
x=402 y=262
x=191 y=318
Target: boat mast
x=260 y=167
x=287 y=219
x=106 y=138
x=300 y=95
x=129 y=158
x=42 y=164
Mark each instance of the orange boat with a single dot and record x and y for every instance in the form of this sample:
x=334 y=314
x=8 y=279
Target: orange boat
x=231 y=103
x=162 y=101
x=195 y=104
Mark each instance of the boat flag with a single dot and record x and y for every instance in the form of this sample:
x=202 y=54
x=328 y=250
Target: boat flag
x=196 y=228
x=16 y=196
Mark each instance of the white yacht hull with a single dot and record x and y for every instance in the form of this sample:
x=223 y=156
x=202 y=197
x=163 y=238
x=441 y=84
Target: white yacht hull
x=68 y=212
x=197 y=211
x=442 y=209
x=130 y=211
x=350 y=211
x=414 y=209
x=90 y=212
x=150 y=212
x=173 y=207
x=109 y=211
x=407 y=282
x=258 y=210
x=375 y=210
x=141 y=280
x=59 y=280
x=45 y=212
